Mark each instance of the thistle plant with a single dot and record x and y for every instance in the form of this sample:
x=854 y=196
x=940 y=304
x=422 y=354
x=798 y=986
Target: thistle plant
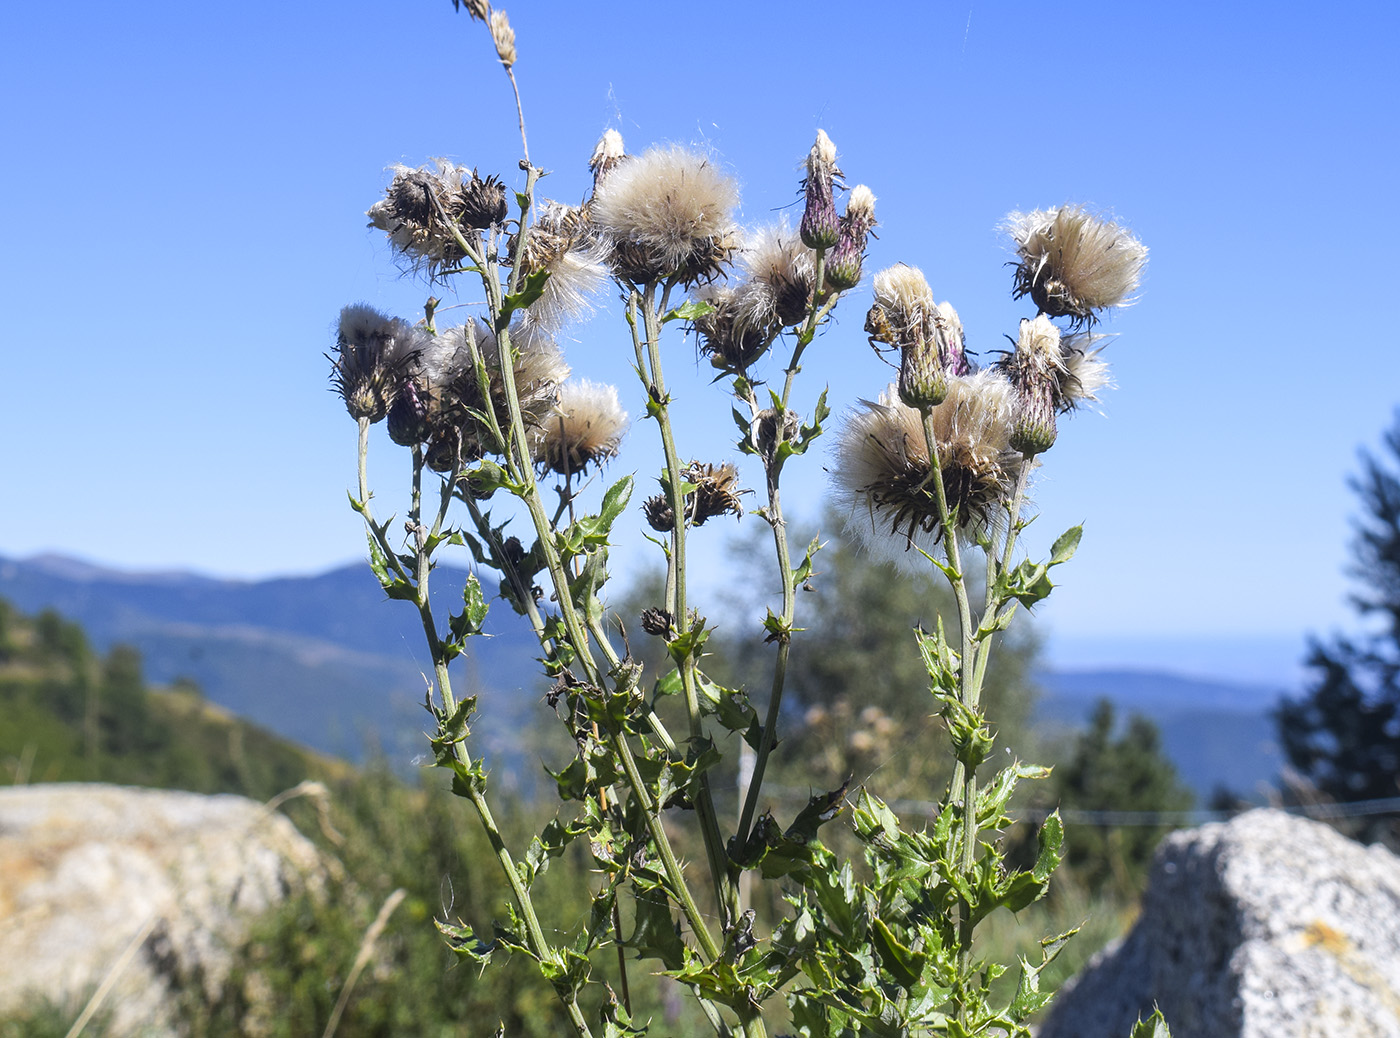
x=934 y=473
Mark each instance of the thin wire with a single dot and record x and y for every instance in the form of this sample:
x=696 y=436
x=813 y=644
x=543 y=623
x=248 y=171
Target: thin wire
x=1114 y=818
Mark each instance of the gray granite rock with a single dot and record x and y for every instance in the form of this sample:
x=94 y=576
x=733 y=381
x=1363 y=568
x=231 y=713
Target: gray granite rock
x=1267 y=926
x=90 y=872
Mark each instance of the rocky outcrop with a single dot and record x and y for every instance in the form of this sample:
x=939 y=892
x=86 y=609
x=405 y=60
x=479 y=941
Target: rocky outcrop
x=146 y=889
x=1267 y=926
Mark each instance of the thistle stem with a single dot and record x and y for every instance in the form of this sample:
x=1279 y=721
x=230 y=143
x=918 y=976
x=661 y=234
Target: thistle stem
x=964 y=778
x=649 y=352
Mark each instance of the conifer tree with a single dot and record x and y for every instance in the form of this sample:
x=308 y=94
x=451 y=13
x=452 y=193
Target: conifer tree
x=1343 y=734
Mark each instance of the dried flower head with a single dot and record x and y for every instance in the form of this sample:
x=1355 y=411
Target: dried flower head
x=659 y=514
x=561 y=243
x=373 y=353
x=585 y=429
x=843 y=266
x=453 y=387
x=716 y=492
x=731 y=343
x=779 y=275
x=667 y=212
x=503 y=36
x=656 y=622
x=883 y=473
x=608 y=153
x=425 y=210
x=1074 y=264
x=766 y=429
x=820 y=226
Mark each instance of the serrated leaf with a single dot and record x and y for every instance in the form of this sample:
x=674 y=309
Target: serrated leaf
x=1065 y=545
x=903 y=964
x=522 y=299
x=687 y=311
x=656 y=935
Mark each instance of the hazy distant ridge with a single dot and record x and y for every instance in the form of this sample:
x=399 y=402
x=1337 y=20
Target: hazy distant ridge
x=329 y=661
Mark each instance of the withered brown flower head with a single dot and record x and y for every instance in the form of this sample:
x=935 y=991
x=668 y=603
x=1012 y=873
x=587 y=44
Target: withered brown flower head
x=483 y=202
x=424 y=211
x=765 y=429
x=731 y=343
x=373 y=354
x=1074 y=264
x=659 y=514
x=717 y=492
x=656 y=622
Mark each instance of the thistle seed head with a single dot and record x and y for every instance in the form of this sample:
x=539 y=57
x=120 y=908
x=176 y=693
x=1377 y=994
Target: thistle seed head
x=586 y=428
x=1074 y=264
x=1035 y=371
x=561 y=242
x=883 y=473
x=731 y=343
x=779 y=275
x=454 y=388
x=373 y=354
x=425 y=209
x=667 y=213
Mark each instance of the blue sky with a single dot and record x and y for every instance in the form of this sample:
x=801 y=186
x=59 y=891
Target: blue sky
x=187 y=183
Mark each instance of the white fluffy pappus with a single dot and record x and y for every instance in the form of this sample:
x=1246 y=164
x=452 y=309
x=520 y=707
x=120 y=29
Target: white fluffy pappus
x=585 y=428
x=671 y=204
x=1073 y=263
x=778 y=276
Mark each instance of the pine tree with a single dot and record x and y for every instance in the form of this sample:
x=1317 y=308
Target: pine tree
x=1343 y=734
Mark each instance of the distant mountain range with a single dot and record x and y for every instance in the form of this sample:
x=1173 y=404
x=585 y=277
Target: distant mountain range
x=328 y=661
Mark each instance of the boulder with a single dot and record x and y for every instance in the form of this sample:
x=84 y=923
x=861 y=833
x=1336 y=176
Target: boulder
x=1266 y=926
x=149 y=890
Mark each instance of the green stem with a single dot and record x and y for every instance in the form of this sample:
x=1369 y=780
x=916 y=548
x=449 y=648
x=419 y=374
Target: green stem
x=651 y=811
x=964 y=778
x=649 y=353
x=534 y=932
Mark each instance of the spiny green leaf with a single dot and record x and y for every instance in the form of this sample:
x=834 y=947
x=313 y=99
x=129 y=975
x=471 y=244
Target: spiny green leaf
x=1155 y=1026
x=530 y=291
x=903 y=964
x=656 y=935
x=687 y=311
x=1065 y=545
